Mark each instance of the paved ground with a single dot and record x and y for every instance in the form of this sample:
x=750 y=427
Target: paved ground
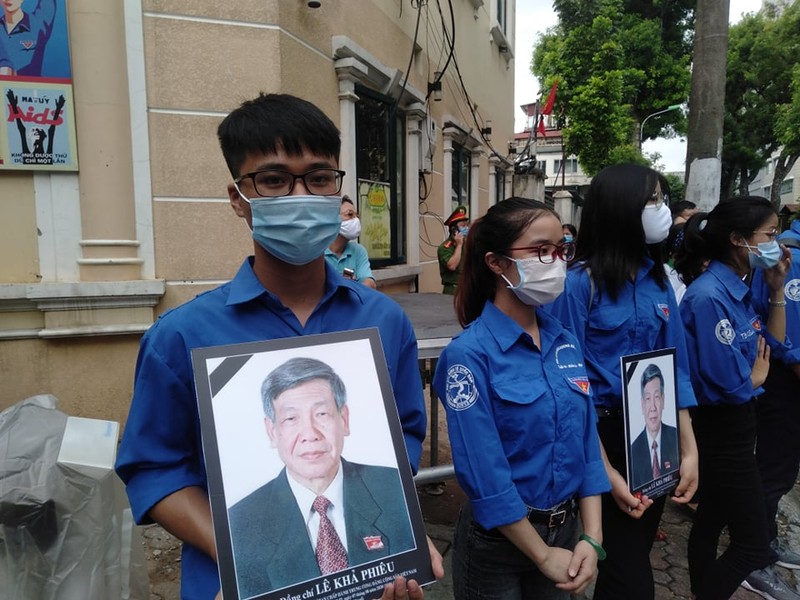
x=668 y=557
x=440 y=511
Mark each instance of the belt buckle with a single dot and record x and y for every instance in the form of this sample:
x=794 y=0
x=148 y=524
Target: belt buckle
x=557 y=518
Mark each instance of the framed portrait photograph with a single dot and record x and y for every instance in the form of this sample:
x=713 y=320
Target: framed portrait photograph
x=312 y=495
x=652 y=438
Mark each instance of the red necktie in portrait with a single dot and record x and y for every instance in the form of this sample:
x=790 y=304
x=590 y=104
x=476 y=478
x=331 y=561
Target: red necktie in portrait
x=331 y=555
x=656 y=469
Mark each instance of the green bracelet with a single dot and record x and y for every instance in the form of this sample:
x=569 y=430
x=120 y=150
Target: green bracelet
x=601 y=553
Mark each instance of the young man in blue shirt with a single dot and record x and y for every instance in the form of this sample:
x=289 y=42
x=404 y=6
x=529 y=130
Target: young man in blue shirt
x=283 y=155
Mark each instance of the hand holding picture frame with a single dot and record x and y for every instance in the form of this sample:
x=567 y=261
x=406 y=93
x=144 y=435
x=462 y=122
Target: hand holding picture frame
x=312 y=495
x=651 y=422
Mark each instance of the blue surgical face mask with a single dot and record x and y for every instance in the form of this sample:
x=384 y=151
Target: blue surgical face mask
x=768 y=257
x=295 y=229
x=463 y=230
x=568 y=237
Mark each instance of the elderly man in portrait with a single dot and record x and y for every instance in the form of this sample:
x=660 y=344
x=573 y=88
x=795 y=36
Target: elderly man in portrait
x=322 y=513
x=654 y=452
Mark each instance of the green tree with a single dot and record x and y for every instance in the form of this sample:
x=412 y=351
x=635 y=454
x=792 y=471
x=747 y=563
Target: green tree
x=762 y=98
x=616 y=62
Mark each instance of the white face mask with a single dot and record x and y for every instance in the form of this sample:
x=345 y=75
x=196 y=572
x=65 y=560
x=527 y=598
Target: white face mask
x=350 y=229
x=656 y=222
x=538 y=283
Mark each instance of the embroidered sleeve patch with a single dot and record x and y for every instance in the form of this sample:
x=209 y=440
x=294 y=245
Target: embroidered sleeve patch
x=582 y=383
x=724 y=332
x=461 y=390
x=792 y=290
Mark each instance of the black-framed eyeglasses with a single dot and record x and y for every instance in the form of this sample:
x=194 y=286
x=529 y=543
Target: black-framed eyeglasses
x=273 y=183
x=547 y=253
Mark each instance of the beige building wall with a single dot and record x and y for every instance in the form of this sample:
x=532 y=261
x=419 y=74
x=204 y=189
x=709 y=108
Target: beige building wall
x=91 y=258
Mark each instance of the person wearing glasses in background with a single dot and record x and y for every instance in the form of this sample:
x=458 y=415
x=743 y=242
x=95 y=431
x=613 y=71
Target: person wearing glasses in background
x=778 y=434
x=282 y=153
x=618 y=302
x=729 y=347
x=520 y=417
x=345 y=254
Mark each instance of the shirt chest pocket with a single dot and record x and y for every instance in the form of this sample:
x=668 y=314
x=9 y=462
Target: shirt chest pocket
x=522 y=406
x=607 y=327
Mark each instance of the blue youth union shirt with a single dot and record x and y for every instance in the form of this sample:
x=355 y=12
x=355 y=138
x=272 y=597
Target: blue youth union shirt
x=722 y=331
x=643 y=318
x=520 y=419
x=161 y=450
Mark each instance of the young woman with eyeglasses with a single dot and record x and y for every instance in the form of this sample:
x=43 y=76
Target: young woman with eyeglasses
x=617 y=302
x=729 y=350
x=520 y=416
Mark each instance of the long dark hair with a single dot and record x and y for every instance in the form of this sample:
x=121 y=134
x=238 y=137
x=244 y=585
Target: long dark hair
x=497 y=230
x=707 y=236
x=611 y=241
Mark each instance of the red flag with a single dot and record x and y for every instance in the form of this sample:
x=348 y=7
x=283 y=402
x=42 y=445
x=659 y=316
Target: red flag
x=540 y=128
x=551 y=100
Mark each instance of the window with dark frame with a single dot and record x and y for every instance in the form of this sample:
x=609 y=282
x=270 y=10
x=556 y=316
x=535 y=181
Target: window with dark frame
x=501 y=15
x=462 y=170
x=499 y=185
x=380 y=173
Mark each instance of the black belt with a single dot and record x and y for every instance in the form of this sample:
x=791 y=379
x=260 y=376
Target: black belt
x=554 y=517
x=605 y=411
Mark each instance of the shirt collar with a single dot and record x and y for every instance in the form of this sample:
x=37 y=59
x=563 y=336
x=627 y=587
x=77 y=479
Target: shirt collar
x=506 y=331
x=245 y=286
x=346 y=252
x=647 y=266
x=731 y=282
x=305 y=497
x=657 y=439
x=23 y=25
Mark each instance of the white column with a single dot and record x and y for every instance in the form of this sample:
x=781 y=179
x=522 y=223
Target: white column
x=140 y=138
x=474 y=183
x=347 y=70
x=415 y=115
x=58 y=217
x=447 y=176
x=493 y=199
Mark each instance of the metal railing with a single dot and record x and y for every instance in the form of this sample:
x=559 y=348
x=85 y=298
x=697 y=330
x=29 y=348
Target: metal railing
x=428 y=356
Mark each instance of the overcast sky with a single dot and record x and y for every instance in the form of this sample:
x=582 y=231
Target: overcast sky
x=533 y=17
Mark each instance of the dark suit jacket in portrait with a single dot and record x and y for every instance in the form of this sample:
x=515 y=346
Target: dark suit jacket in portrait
x=642 y=455
x=271 y=547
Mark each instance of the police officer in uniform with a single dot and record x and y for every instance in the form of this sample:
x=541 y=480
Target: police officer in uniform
x=520 y=417
x=450 y=251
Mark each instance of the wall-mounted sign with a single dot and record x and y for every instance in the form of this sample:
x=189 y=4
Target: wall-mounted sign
x=37 y=128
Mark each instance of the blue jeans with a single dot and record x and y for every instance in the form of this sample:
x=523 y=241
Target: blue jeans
x=486 y=565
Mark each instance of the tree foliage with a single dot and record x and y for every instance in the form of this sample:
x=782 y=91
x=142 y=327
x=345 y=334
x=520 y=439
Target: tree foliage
x=762 y=97
x=616 y=61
